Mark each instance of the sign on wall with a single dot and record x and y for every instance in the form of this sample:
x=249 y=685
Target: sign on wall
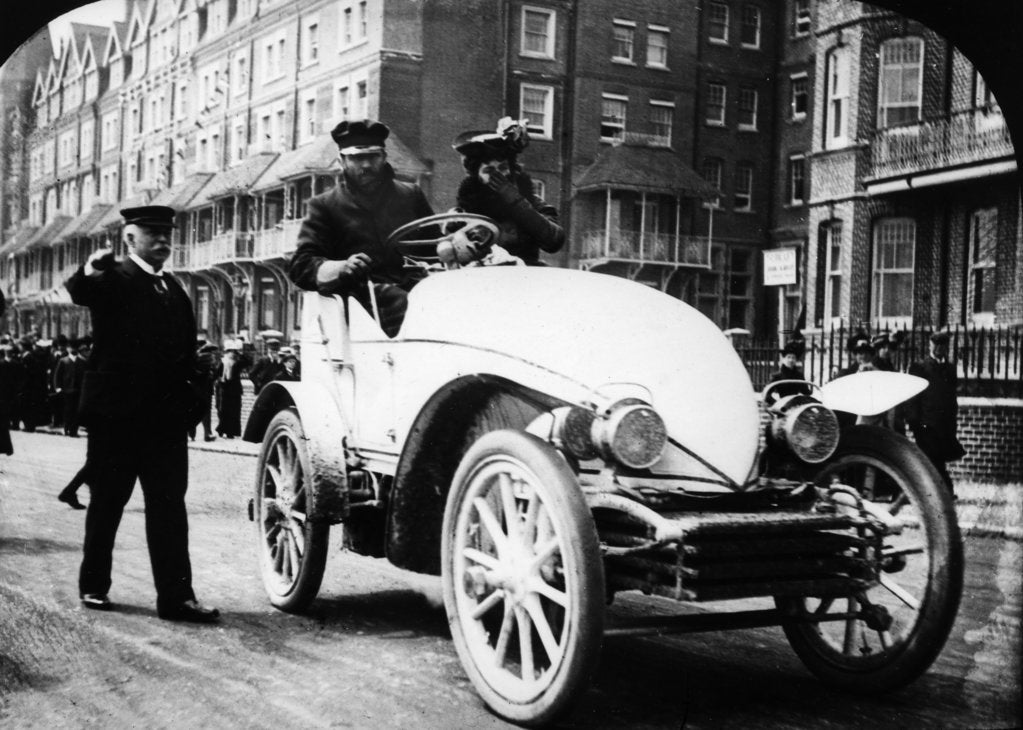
x=779 y=266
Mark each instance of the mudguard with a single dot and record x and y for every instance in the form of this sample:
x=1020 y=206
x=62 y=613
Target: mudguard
x=325 y=434
x=870 y=393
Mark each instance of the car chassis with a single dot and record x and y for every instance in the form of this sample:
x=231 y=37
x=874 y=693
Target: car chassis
x=482 y=445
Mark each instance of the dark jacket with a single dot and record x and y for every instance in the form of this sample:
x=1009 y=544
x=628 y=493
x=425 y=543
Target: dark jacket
x=342 y=222
x=262 y=372
x=68 y=374
x=143 y=358
x=787 y=373
x=936 y=407
x=528 y=224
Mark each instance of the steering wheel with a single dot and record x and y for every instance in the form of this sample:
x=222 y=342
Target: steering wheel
x=425 y=249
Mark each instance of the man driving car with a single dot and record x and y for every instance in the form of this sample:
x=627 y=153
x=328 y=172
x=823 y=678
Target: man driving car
x=342 y=241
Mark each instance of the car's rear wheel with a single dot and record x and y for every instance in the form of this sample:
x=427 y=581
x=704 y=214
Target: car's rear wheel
x=523 y=578
x=891 y=633
x=292 y=549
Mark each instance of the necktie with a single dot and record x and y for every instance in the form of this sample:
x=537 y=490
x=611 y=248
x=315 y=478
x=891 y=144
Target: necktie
x=161 y=285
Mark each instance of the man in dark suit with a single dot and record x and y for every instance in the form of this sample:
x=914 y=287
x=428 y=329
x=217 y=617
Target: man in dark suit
x=934 y=414
x=342 y=240
x=137 y=402
x=67 y=382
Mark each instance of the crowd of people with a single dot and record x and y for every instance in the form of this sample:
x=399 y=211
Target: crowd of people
x=931 y=417
x=41 y=380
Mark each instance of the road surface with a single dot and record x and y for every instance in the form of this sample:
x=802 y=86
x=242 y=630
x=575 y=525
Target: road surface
x=374 y=651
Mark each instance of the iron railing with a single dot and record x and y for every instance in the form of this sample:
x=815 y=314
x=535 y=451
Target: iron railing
x=975 y=136
x=989 y=360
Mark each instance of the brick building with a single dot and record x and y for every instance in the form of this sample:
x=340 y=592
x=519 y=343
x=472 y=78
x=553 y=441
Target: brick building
x=679 y=141
x=914 y=210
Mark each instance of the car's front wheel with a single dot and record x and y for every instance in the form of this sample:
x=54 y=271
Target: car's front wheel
x=292 y=549
x=890 y=634
x=523 y=578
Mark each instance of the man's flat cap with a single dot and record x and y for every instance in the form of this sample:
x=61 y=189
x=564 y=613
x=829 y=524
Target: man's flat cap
x=940 y=338
x=361 y=135
x=149 y=215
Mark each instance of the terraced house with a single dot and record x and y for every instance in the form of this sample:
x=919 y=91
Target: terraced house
x=682 y=143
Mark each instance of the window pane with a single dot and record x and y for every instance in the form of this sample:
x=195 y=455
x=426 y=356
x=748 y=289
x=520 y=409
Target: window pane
x=534 y=108
x=535 y=34
x=657 y=48
x=612 y=120
x=717 y=19
x=623 y=42
x=716 y=103
x=660 y=123
x=751 y=26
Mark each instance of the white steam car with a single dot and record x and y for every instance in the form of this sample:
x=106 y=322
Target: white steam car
x=544 y=438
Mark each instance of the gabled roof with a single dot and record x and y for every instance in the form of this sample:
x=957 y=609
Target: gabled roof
x=51 y=76
x=137 y=25
x=643 y=169
x=86 y=37
x=63 y=55
x=71 y=64
x=113 y=216
x=39 y=92
x=114 y=48
x=182 y=194
x=320 y=155
x=82 y=224
x=45 y=234
x=236 y=179
x=19 y=241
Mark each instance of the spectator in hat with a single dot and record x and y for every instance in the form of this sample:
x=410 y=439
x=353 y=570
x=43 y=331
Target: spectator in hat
x=206 y=369
x=933 y=415
x=67 y=384
x=12 y=374
x=790 y=369
x=342 y=241
x=35 y=387
x=862 y=355
x=138 y=401
x=58 y=352
x=265 y=368
x=497 y=186
x=289 y=368
x=884 y=344
x=228 y=388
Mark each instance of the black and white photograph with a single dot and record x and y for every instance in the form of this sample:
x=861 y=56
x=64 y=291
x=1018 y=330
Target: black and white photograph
x=511 y=363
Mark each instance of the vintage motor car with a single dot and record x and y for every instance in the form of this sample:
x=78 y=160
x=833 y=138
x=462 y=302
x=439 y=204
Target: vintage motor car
x=545 y=438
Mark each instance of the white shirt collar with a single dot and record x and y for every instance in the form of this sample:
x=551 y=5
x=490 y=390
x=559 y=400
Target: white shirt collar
x=144 y=265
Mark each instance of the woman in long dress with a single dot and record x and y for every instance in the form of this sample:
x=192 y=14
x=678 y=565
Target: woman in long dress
x=229 y=395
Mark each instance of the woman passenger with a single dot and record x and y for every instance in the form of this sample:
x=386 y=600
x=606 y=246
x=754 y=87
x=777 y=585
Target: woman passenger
x=496 y=186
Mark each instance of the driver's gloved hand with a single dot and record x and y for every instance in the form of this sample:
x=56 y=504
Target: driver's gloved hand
x=355 y=266
x=460 y=249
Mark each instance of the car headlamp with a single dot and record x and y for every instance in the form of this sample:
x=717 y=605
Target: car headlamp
x=631 y=433
x=573 y=429
x=809 y=430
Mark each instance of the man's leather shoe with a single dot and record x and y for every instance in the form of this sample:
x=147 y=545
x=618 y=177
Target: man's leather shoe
x=189 y=611
x=96 y=601
x=70 y=497
x=210 y=438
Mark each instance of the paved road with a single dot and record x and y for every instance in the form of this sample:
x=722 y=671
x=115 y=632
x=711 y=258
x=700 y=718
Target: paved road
x=374 y=651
